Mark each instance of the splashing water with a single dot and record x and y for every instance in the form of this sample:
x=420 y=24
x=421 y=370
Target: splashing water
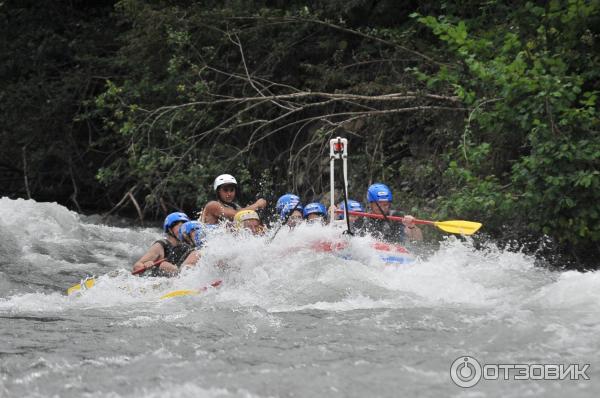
x=287 y=320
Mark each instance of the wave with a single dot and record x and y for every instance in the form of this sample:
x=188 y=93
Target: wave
x=49 y=248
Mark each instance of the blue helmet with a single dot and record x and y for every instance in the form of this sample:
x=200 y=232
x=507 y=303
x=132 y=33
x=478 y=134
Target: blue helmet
x=315 y=208
x=173 y=218
x=379 y=192
x=286 y=203
x=187 y=229
x=353 y=205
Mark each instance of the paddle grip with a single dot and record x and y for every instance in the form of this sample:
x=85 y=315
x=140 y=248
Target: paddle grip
x=154 y=264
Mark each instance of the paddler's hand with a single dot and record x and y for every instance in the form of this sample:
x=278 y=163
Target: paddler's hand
x=408 y=221
x=260 y=203
x=142 y=266
x=413 y=232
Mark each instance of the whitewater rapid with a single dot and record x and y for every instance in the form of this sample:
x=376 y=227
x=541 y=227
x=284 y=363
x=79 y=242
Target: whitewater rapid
x=286 y=321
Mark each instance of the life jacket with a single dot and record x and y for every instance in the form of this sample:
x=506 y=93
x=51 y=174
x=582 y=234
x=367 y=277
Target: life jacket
x=387 y=231
x=175 y=254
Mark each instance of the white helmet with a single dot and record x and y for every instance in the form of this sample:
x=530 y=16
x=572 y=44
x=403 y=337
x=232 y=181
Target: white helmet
x=224 y=179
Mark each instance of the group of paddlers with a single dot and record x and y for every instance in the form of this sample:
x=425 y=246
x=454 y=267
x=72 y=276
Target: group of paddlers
x=184 y=237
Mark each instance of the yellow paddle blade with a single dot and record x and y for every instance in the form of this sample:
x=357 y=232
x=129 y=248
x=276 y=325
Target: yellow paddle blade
x=458 y=226
x=177 y=293
x=87 y=284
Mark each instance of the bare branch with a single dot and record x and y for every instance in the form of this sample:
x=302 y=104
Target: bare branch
x=346 y=30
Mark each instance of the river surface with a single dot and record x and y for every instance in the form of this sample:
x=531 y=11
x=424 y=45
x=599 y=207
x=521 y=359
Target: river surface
x=286 y=321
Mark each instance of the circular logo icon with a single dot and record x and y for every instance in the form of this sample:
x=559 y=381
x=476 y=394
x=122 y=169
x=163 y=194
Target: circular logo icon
x=465 y=372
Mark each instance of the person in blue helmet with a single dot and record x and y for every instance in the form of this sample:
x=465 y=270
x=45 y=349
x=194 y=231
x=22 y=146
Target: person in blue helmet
x=353 y=205
x=315 y=212
x=289 y=208
x=170 y=248
x=193 y=234
x=380 y=199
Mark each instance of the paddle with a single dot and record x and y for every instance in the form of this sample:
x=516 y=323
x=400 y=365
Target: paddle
x=91 y=281
x=452 y=226
x=87 y=283
x=191 y=292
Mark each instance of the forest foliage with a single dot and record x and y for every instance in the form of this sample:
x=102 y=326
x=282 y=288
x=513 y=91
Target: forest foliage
x=474 y=110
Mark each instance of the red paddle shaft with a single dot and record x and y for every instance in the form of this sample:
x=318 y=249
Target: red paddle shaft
x=382 y=217
x=154 y=264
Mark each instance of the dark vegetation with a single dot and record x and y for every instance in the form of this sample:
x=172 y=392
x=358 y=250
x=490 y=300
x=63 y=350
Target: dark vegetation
x=480 y=110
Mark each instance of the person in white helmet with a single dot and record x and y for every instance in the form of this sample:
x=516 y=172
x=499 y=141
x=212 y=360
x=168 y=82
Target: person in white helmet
x=225 y=207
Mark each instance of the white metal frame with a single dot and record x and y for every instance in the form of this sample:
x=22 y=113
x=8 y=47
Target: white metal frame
x=335 y=154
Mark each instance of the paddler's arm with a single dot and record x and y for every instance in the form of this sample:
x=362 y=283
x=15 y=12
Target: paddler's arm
x=213 y=211
x=155 y=252
x=259 y=204
x=412 y=232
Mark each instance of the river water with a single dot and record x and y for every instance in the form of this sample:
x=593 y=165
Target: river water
x=286 y=322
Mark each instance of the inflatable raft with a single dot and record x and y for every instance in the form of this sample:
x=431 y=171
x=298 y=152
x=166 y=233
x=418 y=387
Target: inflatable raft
x=387 y=252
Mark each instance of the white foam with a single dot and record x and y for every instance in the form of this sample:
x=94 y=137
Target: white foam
x=185 y=390
x=285 y=275
x=571 y=290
